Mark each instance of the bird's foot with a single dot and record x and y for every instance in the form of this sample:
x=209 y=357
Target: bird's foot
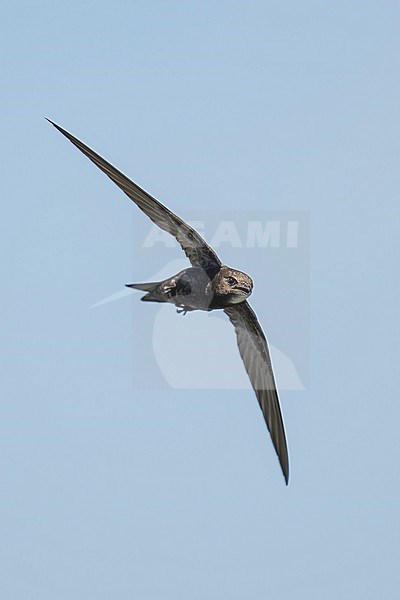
x=181 y=311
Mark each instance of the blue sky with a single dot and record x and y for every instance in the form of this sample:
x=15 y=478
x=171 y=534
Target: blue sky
x=112 y=491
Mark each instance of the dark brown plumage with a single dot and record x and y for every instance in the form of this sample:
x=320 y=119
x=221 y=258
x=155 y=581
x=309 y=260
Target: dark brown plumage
x=207 y=285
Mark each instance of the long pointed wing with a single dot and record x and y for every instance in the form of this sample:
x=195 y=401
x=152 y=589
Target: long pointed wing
x=253 y=348
x=195 y=248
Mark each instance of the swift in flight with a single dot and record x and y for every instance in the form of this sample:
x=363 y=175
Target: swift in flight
x=207 y=285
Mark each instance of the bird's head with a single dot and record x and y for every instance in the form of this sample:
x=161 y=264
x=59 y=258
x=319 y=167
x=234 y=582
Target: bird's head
x=234 y=285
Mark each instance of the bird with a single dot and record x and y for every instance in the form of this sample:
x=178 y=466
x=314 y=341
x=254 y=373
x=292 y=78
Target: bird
x=207 y=285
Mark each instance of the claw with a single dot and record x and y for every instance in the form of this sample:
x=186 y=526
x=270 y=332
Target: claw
x=181 y=311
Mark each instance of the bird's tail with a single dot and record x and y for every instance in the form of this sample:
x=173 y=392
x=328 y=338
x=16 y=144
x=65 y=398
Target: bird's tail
x=153 y=294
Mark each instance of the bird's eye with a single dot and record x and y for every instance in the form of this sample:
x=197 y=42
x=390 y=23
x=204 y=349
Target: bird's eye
x=232 y=281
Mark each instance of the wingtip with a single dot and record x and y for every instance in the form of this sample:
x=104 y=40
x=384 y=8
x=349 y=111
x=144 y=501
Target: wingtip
x=60 y=129
x=286 y=476
x=285 y=471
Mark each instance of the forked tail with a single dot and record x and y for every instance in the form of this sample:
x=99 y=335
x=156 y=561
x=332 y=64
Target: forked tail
x=153 y=294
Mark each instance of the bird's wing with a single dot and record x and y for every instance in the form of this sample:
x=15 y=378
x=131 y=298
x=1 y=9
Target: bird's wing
x=195 y=248
x=253 y=348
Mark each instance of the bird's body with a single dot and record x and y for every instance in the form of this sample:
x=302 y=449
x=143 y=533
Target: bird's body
x=193 y=289
x=207 y=285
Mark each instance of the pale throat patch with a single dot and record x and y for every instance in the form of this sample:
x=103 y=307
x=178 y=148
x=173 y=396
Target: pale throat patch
x=237 y=299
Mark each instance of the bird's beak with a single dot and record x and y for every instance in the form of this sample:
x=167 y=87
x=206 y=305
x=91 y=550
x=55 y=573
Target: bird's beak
x=245 y=288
